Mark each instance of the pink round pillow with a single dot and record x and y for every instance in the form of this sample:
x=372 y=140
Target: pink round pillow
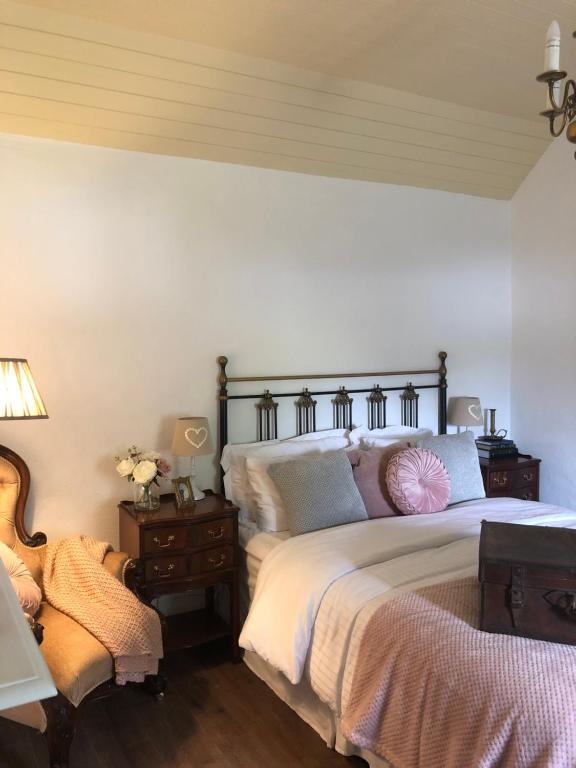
x=418 y=482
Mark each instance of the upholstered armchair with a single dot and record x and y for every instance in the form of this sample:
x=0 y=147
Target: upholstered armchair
x=80 y=665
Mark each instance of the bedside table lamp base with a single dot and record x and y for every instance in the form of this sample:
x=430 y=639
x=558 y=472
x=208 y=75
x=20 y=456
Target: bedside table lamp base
x=196 y=492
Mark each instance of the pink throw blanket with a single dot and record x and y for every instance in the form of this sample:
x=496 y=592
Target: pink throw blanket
x=76 y=583
x=431 y=690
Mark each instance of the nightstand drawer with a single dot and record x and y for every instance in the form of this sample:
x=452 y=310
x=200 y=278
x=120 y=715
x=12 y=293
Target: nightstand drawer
x=521 y=478
x=529 y=493
x=162 y=540
x=216 y=532
x=164 y=568
x=500 y=480
x=217 y=559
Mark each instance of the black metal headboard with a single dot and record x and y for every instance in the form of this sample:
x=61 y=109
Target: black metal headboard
x=267 y=405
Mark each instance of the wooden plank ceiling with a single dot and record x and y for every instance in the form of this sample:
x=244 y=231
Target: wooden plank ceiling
x=95 y=78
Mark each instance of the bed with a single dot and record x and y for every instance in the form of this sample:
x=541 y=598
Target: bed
x=369 y=630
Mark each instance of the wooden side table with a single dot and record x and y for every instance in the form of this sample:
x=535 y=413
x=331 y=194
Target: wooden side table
x=515 y=476
x=181 y=550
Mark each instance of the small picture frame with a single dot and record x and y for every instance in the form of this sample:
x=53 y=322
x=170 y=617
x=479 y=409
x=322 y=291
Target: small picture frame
x=183 y=492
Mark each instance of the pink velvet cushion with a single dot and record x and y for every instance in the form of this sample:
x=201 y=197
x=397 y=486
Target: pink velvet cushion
x=418 y=482
x=369 y=469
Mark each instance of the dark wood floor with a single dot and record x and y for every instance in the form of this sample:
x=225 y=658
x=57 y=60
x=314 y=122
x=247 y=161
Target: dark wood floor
x=215 y=715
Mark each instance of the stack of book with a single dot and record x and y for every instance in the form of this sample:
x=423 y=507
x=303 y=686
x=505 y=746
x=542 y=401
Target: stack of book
x=492 y=449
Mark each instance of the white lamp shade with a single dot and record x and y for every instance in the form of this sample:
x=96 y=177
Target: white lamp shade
x=19 y=397
x=192 y=437
x=465 y=412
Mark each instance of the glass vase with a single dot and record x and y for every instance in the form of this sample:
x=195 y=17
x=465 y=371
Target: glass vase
x=145 y=499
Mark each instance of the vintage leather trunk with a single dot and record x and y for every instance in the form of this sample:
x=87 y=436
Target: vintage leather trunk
x=528 y=581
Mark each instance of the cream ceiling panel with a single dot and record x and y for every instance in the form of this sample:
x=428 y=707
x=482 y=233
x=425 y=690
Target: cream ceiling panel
x=79 y=80
x=482 y=53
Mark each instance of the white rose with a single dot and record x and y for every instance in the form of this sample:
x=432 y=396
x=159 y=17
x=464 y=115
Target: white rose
x=144 y=472
x=150 y=456
x=125 y=467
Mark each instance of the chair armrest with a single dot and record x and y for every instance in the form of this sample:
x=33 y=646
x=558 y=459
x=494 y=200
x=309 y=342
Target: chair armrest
x=115 y=563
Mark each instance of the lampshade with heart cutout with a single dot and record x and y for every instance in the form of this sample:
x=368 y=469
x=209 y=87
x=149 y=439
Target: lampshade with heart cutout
x=192 y=438
x=465 y=412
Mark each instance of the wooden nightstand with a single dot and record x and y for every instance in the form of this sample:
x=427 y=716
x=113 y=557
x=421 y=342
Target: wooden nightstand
x=180 y=550
x=515 y=476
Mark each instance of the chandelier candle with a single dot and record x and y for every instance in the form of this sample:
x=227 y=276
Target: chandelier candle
x=552 y=58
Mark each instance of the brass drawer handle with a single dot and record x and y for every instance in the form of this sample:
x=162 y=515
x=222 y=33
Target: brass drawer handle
x=528 y=476
x=216 y=534
x=169 y=542
x=500 y=480
x=166 y=575
x=217 y=563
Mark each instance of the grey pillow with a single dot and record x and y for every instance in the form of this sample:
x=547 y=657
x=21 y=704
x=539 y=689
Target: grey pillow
x=459 y=455
x=318 y=492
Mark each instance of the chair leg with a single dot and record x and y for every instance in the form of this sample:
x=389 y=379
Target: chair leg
x=61 y=716
x=156 y=685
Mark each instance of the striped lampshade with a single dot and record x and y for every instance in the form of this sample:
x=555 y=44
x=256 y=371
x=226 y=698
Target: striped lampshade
x=19 y=398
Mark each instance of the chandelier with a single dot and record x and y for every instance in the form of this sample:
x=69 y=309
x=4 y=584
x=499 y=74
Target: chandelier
x=560 y=106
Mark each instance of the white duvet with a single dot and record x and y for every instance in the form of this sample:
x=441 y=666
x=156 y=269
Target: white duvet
x=316 y=592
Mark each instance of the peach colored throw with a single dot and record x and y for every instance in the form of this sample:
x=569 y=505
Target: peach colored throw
x=430 y=690
x=76 y=583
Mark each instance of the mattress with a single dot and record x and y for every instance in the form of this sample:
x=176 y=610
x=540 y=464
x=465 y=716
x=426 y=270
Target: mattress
x=255 y=544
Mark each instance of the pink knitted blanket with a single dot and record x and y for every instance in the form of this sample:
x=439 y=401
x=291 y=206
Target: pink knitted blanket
x=430 y=689
x=76 y=583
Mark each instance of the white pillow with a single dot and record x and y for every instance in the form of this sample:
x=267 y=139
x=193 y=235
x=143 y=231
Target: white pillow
x=369 y=438
x=270 y=510
x=320 y=435
x=236 y=485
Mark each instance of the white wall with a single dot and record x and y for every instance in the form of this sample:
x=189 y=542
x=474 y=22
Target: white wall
x=544 y=320
x=126 y=275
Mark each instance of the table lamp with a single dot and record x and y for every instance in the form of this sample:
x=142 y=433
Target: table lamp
x=192 y=438
x=19 y=397
x=465 y=412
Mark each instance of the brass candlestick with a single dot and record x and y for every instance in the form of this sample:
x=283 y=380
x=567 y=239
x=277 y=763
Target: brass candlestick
x=492 y=423
x=494 y=434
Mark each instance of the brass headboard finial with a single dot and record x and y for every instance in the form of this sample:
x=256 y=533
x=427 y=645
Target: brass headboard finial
x=442 y=370
x=222 y=378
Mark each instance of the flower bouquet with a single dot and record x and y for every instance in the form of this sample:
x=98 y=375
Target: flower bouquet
x=143 y=468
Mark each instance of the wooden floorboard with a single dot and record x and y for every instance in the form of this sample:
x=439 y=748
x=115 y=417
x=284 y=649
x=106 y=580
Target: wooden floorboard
x=215 y=715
